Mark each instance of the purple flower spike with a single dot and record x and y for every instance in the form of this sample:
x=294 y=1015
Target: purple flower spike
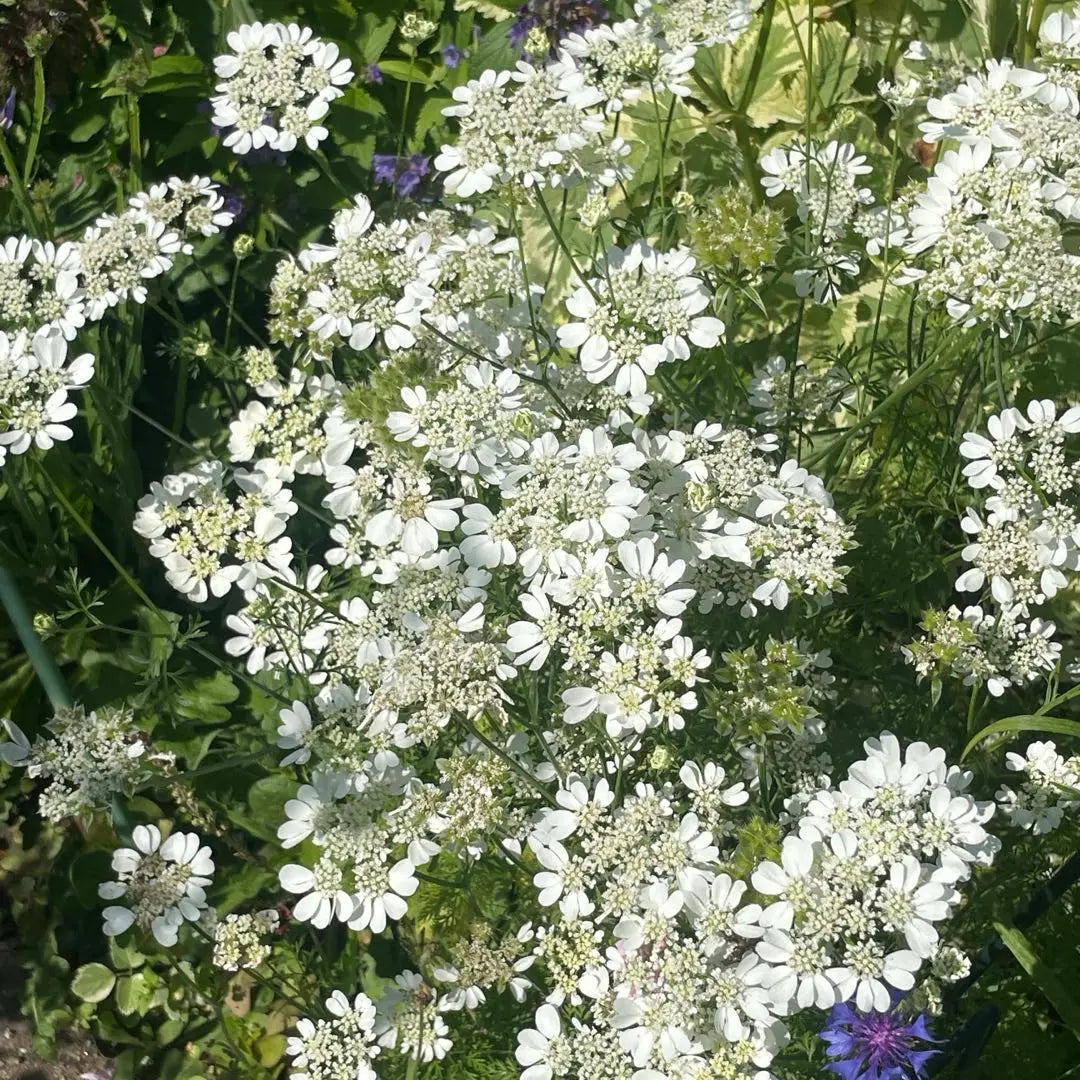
x=7 y=113
x=877 y=1045
x=374 y=74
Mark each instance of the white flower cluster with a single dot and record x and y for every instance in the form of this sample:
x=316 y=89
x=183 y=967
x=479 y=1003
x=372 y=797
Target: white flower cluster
x=402 y=285
x=829 y=199
x=991 y=225
x=1048 y=788
x=210 y=541
x=535 y=127
x=698 y=24
x=48 y=292
x=240 y=939
x=866 y=873
x=342 y=1046
x=977 y=646
x=645 y=309
x=674 y=976
x=118 y=254
x=35 y=378
x=276 y=86
x=162 y=883
x=1021 y=546
x=85 y=759
x=625 y=60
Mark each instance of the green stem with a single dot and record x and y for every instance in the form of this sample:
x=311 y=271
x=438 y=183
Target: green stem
x=232 y=302
x=1031 y=36
x=556 y=232
x=134 y=143
x=52 y=682
x=39 y=119
x=18 y=188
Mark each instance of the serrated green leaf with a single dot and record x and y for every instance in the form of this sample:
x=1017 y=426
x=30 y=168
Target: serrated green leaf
x=93 y=982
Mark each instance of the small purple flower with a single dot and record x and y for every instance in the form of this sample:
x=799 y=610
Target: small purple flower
x=405 y=173
x=451 y=56
x=415 y=171
x=877 y=1045
x=385 y=166
x=7 y=113
x=374 y=74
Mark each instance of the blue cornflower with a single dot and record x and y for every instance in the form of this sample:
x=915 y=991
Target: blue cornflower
x=877 y=1045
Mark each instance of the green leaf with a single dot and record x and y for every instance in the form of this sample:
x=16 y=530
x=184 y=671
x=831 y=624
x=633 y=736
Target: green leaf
x=430 y=114
x=205 y=699
x=375 y=35
x=124 y=958
x=133 y=994
x=1056 y=993
x=175 y=73
x=993 y=22
x=419 y=71
x=271 y=1049
x=86 y=129
x=93 y=982
x=1054 y=724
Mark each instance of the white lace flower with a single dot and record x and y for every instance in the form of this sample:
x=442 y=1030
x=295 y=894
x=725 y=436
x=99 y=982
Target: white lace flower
x=162 y=884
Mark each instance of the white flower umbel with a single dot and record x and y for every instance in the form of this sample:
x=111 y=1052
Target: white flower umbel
x=39 y=287
x=679 y=985
x=371 y=285
x=355 y=878
x=210 y=542
x=84 y=759
x=343 y=1046
x=1049 y=788
x=410 y=1014
x=35 y=378
x=526 y=127
x=240 y=940
x=700 y=23
x=865 y=876
x=276 y=86
x=645 y=310
x=161 y=884
x=625 y=60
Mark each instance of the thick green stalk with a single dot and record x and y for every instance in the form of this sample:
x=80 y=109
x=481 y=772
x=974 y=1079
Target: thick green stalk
x=44 y=666
x=39 y=120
